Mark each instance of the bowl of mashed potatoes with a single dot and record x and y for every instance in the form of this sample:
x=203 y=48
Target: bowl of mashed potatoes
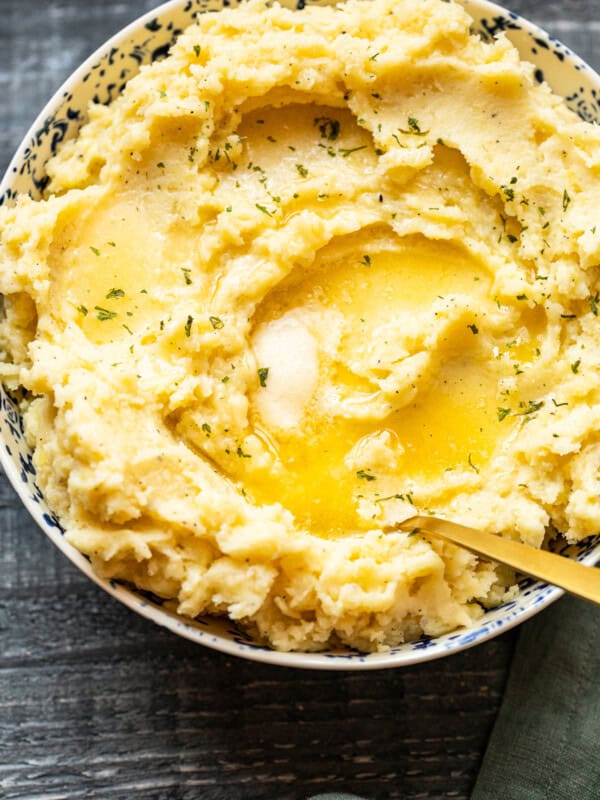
x=277 y=279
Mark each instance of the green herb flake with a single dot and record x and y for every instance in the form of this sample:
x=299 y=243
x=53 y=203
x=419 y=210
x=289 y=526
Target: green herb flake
x=197 y=50
x=82 y=310
x=128 y=329
x=473 y=328
x=115 y=293
x=594 y=300
x=217 y=323
x=414 y=532
x=503 y=413
x=390 y=497
x=264 y=210
x=104 y=313
x=575 y=366
x=207 y=429
x=565 y=200
x=365 y=476
x=345 y=152
x=263 y=374
x=366 y=261
x=302 y=170
x=529 y=408
x=186 y=274
x=95 y=251
x=188 y=326
x=241 y=453
x=413 y=127
x=328 y=128
x=472 y=465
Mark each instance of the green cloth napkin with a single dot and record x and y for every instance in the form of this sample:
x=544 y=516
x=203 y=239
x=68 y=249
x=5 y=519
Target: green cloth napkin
x=545 y=744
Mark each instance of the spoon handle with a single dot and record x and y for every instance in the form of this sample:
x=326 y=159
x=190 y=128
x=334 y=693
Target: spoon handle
x=566 y=573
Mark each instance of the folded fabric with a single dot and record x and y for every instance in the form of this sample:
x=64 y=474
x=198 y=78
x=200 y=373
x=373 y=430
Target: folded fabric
x=546 y=741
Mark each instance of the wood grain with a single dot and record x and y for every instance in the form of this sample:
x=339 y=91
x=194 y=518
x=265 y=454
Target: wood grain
x=96 y=702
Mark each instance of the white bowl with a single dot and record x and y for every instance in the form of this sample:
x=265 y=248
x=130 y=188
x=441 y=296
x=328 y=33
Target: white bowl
x=101 y=78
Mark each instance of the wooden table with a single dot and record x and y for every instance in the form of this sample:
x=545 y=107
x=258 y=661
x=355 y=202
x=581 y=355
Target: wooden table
x=96 y=702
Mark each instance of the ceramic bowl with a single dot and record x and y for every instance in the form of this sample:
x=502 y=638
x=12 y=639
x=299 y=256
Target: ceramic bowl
x=101 y=78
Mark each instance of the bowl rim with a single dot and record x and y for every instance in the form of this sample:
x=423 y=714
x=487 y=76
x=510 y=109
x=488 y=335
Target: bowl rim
x=323 y=660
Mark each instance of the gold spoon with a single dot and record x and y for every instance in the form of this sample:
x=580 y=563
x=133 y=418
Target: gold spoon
x=558 y=570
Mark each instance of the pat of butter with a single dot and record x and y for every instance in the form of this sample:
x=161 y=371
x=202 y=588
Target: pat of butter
x=290 y=352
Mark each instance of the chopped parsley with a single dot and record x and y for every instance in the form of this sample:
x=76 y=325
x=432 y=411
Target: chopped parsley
x=565 y=200
x=473 y=328
x=263 y=374
x=217 y=323
x=594 y=299
x=186 y=274
x=366 y=261
x=575 y=366
x=104 y=313
x=413 y=127
x=82 y=310
x=406 y=497
x=197 y=50
x=264 y=210
x=328 y=128
x=115 y=293
x=302 y=170
x=207 y=429
x=95 y=251
x=472 y=465
x=529 y=408
x=345 y=152
x=503 y=413
x=188 y=326
x=365 y=476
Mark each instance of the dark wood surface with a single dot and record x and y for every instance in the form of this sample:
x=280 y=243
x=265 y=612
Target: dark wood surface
x=96 y=702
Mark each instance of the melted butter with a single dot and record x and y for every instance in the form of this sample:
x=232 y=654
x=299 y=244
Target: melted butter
x=113 y=272
x=370 y=287
x=452 y=423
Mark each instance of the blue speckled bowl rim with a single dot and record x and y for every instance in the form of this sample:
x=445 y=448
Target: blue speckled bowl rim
x=231 y=640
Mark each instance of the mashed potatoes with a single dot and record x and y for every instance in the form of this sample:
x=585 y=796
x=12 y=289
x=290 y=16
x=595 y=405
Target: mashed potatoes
x=314 y=273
